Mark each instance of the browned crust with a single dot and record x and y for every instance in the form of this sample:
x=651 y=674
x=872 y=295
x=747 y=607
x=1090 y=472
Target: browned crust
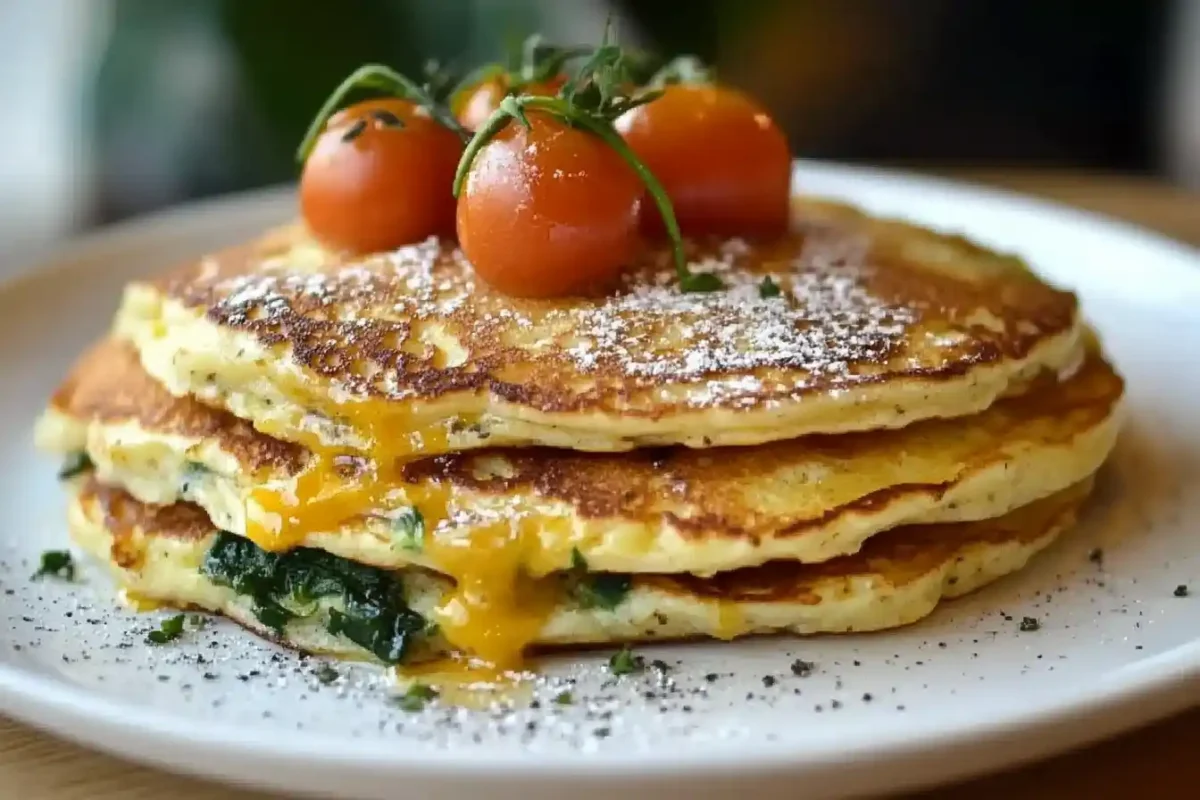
x=637 y=485
x=129 y=521
x=356 y=321
x=108 y=384
x=898 y=556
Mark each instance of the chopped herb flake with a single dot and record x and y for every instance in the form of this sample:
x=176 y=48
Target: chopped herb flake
x=769 y=288
x=408 y=530
x=56 y=563
x=1181 y=591
x=170 y=630
x=74 y=465
x=327 y=674
x=564 y=699
x=1029 y=624
x=416 y=698
x=624 y=662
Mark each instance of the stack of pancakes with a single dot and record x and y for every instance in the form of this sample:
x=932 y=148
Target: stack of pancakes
x=379 y=456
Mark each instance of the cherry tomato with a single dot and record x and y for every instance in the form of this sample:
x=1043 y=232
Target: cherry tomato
x=549 y=211
x=724 y=163
x=380 y=176
x=473 y=106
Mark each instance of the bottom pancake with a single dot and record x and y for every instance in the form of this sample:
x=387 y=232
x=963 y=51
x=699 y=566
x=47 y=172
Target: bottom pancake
x=320 y=603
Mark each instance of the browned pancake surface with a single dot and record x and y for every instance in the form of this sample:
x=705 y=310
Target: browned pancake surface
x=862 y=302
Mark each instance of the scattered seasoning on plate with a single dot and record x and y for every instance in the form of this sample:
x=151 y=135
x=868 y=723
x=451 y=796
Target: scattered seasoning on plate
x=1029 y=624
x=802 y=668
x=327 y=674
x=1181 y=590
x=564 y=699
x=1096 y=556
x=768 y=681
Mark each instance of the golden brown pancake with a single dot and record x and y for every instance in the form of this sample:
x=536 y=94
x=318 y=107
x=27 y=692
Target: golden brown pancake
x=876 y=324
x=165 y=554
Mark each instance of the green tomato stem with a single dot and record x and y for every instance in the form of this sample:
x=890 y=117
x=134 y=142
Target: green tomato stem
x=384 y=79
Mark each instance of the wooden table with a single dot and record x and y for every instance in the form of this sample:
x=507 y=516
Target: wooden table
x=36 y=767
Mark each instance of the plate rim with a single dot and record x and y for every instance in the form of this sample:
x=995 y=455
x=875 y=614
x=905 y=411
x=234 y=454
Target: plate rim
x=1159 y=686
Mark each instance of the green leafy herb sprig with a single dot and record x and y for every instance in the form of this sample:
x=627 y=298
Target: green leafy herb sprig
x=535 y=61
x=430 y=94
x=591 y=100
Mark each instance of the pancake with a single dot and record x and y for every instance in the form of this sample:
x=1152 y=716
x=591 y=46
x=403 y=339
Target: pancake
x=873 y=324
x=317 y=603
x=537 y=510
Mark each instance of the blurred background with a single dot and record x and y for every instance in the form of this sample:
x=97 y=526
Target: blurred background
x=124 y=106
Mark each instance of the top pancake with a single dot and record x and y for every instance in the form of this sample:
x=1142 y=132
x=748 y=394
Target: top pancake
x=877 y=324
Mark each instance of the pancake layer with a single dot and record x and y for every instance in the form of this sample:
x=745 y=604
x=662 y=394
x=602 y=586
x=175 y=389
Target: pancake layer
x=875 y=324
x=663 y=511
x=318 y=603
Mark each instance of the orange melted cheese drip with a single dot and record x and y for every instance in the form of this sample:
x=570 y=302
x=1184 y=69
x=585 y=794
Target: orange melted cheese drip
x=495 y=611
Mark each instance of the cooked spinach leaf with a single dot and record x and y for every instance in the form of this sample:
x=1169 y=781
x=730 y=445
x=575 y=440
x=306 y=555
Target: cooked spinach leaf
x=408 y=530
x=74 y=465
x=603 y=590
x=284 y=586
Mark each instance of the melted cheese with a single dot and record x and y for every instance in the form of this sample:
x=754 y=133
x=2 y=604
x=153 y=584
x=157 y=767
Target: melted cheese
x=496 y=609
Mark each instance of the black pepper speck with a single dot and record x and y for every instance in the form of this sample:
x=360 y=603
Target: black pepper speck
x=802 y=668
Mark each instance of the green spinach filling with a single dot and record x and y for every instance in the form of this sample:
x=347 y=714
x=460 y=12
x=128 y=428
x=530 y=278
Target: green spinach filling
x=604 y=590
x=74 y=465
x=372 y=610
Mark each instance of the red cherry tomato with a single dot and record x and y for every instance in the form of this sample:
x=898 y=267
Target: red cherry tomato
x=380 y=176
x=723 y=161
x=549 y=211
x=474 y=105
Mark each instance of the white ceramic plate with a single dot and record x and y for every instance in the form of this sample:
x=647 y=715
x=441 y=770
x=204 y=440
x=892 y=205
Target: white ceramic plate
x=962 y=692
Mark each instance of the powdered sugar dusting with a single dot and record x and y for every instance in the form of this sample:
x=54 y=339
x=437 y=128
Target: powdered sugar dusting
x=821 y=311
x=823 y=321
